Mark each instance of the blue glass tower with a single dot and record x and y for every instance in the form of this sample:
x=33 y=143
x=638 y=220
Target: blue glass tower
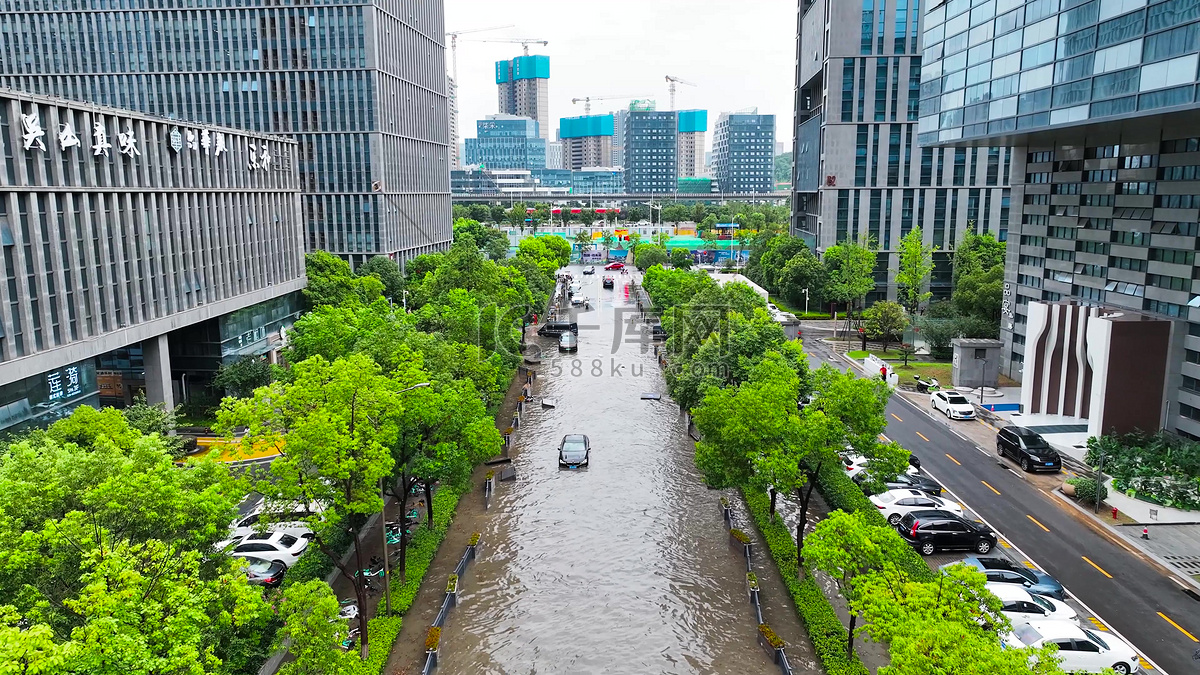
x=507 y=142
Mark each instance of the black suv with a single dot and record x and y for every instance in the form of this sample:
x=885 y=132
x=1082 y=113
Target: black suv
x=557 y=328
x=933 y=530
x=905 y=481
x=1028 y=449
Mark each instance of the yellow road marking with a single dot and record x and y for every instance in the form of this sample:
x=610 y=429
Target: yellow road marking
x=1096 y=622
x=1180 y=628
x=923 y=436
x=1098 y=568
x=897 y=418
x=954 y=460
x=1035 y=522
x=1004 y=544
x=985 y=424
x=1029 y=564
x=1145 y=664
x=990 y=487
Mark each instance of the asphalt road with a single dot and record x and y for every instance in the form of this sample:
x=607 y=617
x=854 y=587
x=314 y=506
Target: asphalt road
x=1126 y=593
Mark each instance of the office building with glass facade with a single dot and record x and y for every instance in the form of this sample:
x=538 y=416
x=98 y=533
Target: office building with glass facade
x=859 y=171
x=362 y=88
x=744 y=152
x=139 y=252
x=650 y=147
x=1098 y=101
x=506 y=142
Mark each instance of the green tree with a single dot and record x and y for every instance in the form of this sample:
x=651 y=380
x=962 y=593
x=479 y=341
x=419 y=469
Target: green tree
x=942 y=646
x=674 y=213
x=607 y=239
x=240 y=378
x=388 y=273
x=491 y=240
x=783 y=168
x=648 y=255
x=499 y=214
x=334 y=424
x=517 y=216
x=756 y=222
x=803 y=272
x=587 y=217
x=699 y=211
x=635 y=239
x=661 y=239
x=330 y=282
x=154 y=418
x=583 y=239
x=980 y=293
x=313 y=631
x=885 y=321
x=851 y=273
x=916 y=263
x=938 y=334
x=977 y=252
x=479 y=212
x=681 y=258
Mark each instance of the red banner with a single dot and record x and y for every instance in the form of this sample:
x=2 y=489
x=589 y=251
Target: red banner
x=601 y=210
x=555 y=210
x=576 y=210
x=529 y=209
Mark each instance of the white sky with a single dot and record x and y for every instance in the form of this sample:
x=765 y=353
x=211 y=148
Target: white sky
x=741 y=53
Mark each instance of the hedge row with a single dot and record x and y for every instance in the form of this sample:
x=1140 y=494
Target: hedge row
x=825 y=629
x=422 y=548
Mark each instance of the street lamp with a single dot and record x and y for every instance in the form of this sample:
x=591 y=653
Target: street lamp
x=806 y=302
x=387 y=572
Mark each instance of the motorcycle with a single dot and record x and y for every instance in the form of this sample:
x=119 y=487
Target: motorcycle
x=927 y=386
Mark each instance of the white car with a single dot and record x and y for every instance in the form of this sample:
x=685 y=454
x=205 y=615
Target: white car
x=1021 y=606
x=1081 y=650
x=284 y=547
x=290 y=517
x=955 y=405
x=856 y=464
x=893 y=504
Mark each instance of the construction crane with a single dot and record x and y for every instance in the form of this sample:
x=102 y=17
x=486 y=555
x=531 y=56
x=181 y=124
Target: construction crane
x=587 y=101
x=524 y=43
x=671 y=80
x=454 y=44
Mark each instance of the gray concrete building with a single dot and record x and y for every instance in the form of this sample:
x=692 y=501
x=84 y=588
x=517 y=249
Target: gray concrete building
x=859 y=171
x=139 y=253
x=1099 y=101
x=361 y=85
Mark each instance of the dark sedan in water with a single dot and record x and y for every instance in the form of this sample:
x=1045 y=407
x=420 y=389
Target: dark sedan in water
x=574 y=451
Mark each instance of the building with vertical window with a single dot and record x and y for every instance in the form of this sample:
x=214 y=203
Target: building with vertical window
x=506 y=142
x=587 y=141
x=744 y=152
x=452 y=106
x=1098 y=101
x=650 y=147
x=620 y=119
x=361 y=87
x=139 y=254
x=693 y=127
x=523 y=84
x=859 y=171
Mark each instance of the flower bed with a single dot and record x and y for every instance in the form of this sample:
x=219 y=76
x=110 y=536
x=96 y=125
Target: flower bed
x=452 y=583
x=739 y=535
x=474 y=540
x=432 y=638
x=1157 y=468
x=752 y=580
x=769 y=635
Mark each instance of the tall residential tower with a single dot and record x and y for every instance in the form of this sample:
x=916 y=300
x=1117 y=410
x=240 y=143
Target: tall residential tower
x=744 y=152
x=690 y=151
x=359 y=85
x=859 y=172
x=650 y=147
x=587 y=141
x=523 y=84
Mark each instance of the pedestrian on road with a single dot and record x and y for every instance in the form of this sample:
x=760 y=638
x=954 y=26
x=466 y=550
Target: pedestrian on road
x=535 y=318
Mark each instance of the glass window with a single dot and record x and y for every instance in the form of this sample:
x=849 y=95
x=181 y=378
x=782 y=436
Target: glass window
x=979 y=92
x=954 y=81
x=981 y=34
x=956 y=7
x=1003 y=6
x=1119 y=56
x=1039 y=9
x=957 y=62
x=956 y=44
x=983 y=12
x=1121 y=29
x=1084 y=15
x=1035 y=101
x=1073 y=69
x=1006 y=107
x=1006 y=65
x=979 y=73
x=1119 y=106
x=978 y=55
x=1172 y=13
x=1115 y=84
x=951 y=118
x=935 y=35
x=958 y=24
x=1072 y=94
x=1006 y=44
x=1169 y=73
x=1004 y=86
x=1037 y=78
x=936 y=16
x=1040 y=32
x=1037 y=56
x=1111 y=8
x=1078 y=113
x=1171 y=43
x=1009 y=21
x=1166 y=97
x=1076 y=43
x=952 y=100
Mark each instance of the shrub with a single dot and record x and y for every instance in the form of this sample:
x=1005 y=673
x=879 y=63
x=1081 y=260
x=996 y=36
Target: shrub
x=1159 y=468
x=474 y=540
x=489 y=475
x=724 y=502
x=752 y=579
x=452 y=583
x=432 y=638
x=740 y=536
x=770 y=636
x=1085 y=489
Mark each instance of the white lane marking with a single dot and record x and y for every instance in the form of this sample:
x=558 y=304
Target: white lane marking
x=1029 y=558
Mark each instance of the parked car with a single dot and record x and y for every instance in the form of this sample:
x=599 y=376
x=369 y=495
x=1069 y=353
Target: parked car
x=271 y=518
x=589 y=270
x=264 y=572
x=1028 y=449
x=609 y=282
x=574 y=288
x=615 y=266
x=282 y=547
x=913 y=481
x=1080 y=650
x=568 y=342
x=935 y=530
x=856 y=464
x=1005 y=571
x=955 y=405
x=557 y=328
x=893 y=504
x=657 y=332
x=1021 y=606
x=574 y=451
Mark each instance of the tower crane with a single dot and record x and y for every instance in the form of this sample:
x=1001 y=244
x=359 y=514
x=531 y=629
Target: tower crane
x=454 y=44
x=523 y=42
x=587 y=101
x=671 y=80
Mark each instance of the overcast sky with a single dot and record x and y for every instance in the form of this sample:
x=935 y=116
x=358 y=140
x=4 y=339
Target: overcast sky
x=739 y=52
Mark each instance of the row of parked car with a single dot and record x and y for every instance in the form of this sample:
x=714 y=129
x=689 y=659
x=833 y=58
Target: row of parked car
x=271 y=551
x=1026 y=447
x=1033 y=601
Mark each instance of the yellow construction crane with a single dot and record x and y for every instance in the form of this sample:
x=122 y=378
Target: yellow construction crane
x=524 y=43
x=587 y=101
x=454 y=44
x=671 y=80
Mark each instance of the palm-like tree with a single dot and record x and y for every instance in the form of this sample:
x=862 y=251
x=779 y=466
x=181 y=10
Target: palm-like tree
x=584 y=239
x=607 y=238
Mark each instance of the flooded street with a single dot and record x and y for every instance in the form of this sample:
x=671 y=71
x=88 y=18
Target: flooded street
x=623 y=567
